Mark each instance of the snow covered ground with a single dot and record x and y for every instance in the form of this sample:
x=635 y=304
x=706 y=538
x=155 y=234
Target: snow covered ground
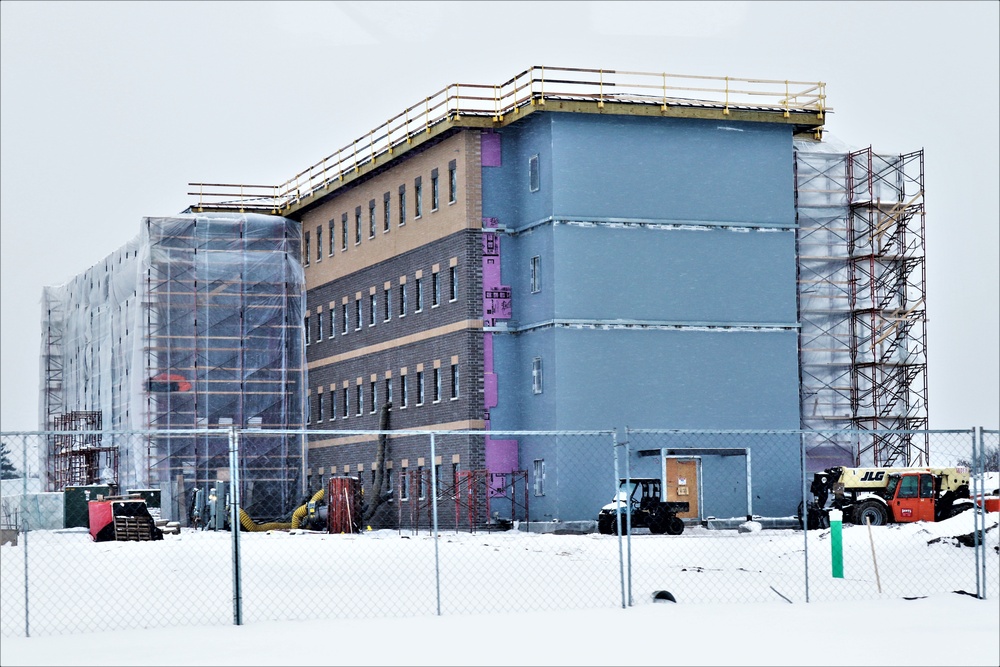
x=506 y=597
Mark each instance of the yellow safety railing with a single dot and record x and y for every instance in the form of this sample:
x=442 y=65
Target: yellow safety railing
x=531 y=87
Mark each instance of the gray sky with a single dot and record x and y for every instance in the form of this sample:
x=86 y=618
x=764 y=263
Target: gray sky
x=108 y=110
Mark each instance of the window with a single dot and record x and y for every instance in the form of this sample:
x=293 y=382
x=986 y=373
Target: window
x=308 y=330
x=402 y=391
x=319 y=407
x=418 y=294
x=402 y=205
x=371 y=219
x=402 y=299
x=435 y=290
x=332 y=233
x=357 y=314
x=434 y=190
x=319 y=326
x=371 y=310
x=926 y=486
x=388 y=483
x=333 y=322
x=453 y=287
x=539 y=477
x=437 y=480
x=333 y=404
x=421 y=487
x=534 y=180
x=420 y=387
x=343 y=228
x=536 y=375
x=454 y=380
x=385 y=212
x=347 y=402
x=306 y=249
x=360 y=408
x=908 y=487
x=319 y=244
x=387 y=303
x=437 y=385
x=455 y=468
x=343 y=318
x=388 y=390
x=536 y=274
x=374 y=393
x=418 y=198
x=404 y=485
x=357 y=226
x=452 y=182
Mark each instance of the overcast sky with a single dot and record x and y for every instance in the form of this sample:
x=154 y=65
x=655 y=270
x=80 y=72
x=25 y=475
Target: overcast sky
x=110 y=109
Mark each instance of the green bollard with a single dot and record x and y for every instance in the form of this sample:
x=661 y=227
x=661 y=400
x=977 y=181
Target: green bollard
x=837 y=543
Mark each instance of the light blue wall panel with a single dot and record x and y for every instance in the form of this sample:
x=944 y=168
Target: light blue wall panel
x=672 y=168
x=706 y=275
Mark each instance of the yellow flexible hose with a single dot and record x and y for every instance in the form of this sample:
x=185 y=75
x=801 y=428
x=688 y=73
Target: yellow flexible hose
x=300 y=513
x=250 y=526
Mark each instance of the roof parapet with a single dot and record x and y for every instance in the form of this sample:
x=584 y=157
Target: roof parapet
x=539 y=88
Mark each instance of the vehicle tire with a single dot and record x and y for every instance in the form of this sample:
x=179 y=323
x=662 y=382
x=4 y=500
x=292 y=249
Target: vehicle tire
x=614 y=527
x=658 y=521
x=675 y=525
x=873 y=511
x=606 y=525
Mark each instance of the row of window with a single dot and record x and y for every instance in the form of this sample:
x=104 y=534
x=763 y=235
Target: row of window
x=320 y=324
x=336 y=404
x=372 y=215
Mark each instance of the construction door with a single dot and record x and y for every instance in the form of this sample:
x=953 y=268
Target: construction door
x=682 y=484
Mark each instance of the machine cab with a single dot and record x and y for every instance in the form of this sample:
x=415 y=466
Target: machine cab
x=911 y=496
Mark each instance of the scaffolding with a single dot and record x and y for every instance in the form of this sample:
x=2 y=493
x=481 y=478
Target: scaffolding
x=193 y=326
x=862 y=296
x=79 y=455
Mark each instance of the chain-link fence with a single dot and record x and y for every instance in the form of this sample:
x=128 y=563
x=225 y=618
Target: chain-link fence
x=746 y=491
x=408 y=523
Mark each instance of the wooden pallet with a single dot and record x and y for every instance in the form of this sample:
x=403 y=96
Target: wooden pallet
x=133 y=529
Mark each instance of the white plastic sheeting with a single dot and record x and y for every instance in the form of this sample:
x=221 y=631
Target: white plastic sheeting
x=194 y=324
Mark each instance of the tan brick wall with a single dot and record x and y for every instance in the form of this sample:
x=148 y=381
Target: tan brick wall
x=465 y=213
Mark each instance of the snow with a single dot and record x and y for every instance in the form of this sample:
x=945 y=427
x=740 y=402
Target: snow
x=506 y=598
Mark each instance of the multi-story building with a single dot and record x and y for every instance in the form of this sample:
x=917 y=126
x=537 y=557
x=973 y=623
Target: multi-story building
x=596 y=251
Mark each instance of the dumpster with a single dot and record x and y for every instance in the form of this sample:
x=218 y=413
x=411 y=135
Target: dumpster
x=75 y=499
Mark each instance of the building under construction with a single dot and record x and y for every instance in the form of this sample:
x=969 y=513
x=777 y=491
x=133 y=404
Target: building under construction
x=571 y=249
x=195 y=324
x=618 y=248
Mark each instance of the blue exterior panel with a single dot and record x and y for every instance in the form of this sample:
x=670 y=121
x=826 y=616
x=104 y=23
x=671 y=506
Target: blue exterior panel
x=671 y=168
x=655 y=237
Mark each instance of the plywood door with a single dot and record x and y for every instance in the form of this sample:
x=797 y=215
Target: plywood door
x=682 y=484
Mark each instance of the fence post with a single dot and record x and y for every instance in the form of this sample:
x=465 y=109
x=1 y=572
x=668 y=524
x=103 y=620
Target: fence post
x=621 y=558
x=805 y=512
x=234 y=522
x=434 y=520
x=628 y=517
x=979 y=491
x=24 y=528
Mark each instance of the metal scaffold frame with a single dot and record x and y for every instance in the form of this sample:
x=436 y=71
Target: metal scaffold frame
x=78 y=455
x=862 y=296
x=888 y=312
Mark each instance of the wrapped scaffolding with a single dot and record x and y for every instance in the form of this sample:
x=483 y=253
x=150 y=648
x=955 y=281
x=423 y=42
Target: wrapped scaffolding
x=194 y=325
x=861 y=289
